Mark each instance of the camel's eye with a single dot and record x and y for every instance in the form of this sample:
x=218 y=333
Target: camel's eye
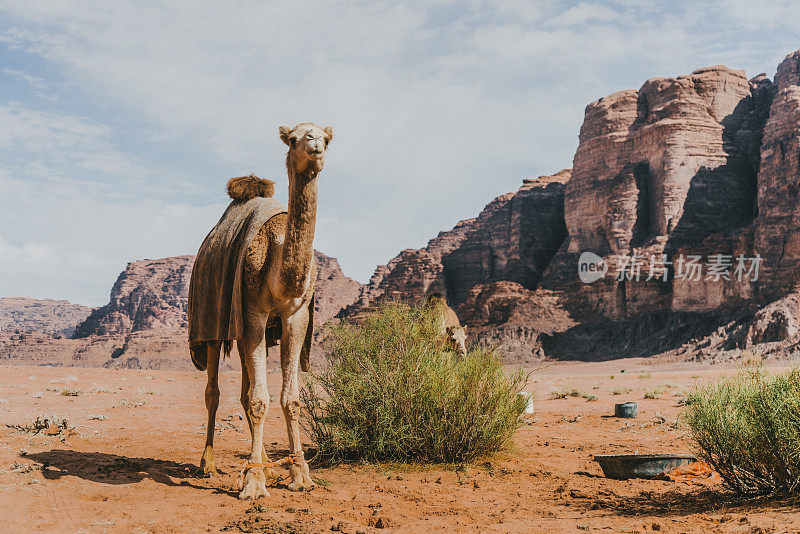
x=327 y=141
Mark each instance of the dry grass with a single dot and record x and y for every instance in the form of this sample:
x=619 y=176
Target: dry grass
x=392 y=391
x=659 y=390
x=748 y=428
x=562 y=392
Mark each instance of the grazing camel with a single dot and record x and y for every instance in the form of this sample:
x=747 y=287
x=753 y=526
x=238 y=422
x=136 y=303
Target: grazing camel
x=449 y=327
x=268 y=296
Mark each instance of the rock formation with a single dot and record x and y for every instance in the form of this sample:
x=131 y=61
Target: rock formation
x=148 y=295
x=512 y=239
x=19 y=315
x=658 y=171
x=333 y=290
x=776 y=229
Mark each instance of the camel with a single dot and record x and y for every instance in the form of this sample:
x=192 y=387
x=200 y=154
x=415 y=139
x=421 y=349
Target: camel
x=450 y=328
x=277 y=288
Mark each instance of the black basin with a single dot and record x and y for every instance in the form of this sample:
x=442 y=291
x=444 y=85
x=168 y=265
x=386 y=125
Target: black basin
x=622 y=466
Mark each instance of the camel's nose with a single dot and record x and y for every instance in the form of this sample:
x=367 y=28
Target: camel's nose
x=315 y=147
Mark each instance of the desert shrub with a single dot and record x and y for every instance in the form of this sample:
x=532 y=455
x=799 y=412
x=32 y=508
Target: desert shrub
x=748 y=428
x=562 y=392
x=392 y=391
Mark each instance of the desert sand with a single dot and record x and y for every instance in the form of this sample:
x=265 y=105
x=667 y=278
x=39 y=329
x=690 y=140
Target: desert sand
x=131 y=464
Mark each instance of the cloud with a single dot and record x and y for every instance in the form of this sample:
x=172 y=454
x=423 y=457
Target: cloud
x=438 y=108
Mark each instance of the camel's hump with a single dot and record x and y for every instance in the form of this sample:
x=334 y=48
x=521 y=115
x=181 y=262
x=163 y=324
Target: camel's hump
x=247 y=187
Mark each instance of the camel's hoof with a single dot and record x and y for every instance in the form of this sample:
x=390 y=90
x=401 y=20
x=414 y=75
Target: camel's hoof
x=209 y=470
x=302 y=485
x=254 y=485
x=301 y=479
x=207 y=463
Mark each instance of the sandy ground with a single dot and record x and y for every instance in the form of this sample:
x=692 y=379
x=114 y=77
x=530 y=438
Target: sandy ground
x=132 y=465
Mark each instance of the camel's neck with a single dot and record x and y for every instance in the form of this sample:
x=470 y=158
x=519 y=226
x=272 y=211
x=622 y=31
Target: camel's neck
x=298 y=245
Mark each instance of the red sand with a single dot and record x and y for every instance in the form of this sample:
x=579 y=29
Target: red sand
x=132 y=467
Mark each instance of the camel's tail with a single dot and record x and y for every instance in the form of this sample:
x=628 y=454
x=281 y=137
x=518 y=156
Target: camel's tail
x=305 y=352
x=198 y=350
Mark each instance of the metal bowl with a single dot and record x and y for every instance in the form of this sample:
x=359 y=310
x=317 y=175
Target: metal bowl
x=624 y=466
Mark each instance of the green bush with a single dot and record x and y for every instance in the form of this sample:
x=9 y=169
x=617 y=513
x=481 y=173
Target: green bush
x=748 y=428
x=393 y=391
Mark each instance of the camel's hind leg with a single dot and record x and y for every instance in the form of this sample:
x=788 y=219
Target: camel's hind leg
x=255 y=361
x=294 y=332
x=212 y=403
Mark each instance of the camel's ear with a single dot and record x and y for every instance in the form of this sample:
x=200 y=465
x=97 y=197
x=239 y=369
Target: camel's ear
x=329 y=131
x=465 y=329
x=284 y=131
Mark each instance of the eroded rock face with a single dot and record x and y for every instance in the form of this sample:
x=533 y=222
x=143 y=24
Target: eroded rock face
x=512 y=239
x=23 y=314
x=333 y=290
x=657 y=171
x=414 y=273
x=777 y=236
x=148 y=295
x=699 y=165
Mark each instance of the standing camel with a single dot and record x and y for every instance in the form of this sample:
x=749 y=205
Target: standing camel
x=253 y=282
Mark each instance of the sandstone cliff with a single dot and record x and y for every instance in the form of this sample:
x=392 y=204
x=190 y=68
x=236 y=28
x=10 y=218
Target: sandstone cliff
x=148 y=295
x=659 y=171
x=512 y=239
x=22 y=314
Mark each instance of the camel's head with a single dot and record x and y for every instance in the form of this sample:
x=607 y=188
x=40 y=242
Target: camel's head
x=307 y=144
x=458 y=337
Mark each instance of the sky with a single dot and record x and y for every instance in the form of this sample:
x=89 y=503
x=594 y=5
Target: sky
x=120 y=122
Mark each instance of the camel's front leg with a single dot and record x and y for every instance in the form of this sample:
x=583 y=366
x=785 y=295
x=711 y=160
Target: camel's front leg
x=294 y=331
x=212 y=403
x=255 y=360
x=245 y=400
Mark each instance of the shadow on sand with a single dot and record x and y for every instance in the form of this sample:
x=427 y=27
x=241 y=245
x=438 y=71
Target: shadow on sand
x=682 y=502
x=115 y=469
x=107 y=468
